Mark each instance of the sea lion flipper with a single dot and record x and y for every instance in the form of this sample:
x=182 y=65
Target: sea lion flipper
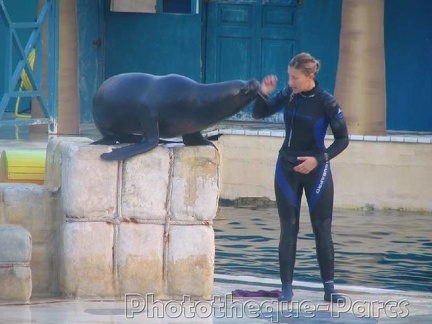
x=148 y=143
x=162 y=141
x=105 y=141
x=196 y=139
x=130 y=150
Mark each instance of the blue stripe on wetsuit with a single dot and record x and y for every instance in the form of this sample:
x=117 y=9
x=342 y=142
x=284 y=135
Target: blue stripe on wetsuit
x=319 y=186
x=284 y=186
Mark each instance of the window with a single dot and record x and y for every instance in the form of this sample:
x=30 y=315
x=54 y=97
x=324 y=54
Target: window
x=178 y=6
x=156 y=6
x=143 y=6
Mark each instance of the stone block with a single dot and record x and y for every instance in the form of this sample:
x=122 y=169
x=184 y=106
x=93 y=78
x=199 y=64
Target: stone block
x=86 y=260
x=195 y=184
x=53 y=162
x=15 y=244
x=30 y=206
x=146 y=182
x=190 y=261
x=15 y=283
x=43 y=272
x=140 y=251
x=89 y=184
x=19 y=201
x=15 y=272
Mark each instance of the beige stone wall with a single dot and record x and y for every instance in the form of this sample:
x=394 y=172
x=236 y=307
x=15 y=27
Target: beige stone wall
x=368 y=174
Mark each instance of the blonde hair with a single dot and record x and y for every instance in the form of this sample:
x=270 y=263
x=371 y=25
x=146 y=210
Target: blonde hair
x=306 y=63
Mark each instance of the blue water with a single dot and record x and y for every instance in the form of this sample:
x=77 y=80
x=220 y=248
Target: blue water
x=379 y=249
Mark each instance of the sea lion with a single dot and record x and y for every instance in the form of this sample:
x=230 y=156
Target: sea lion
x=141 y=108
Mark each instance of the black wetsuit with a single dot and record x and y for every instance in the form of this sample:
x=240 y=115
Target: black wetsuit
x=307 y=116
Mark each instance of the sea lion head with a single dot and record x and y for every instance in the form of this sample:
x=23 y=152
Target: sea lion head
x=245 y=94
x=252 y=87
x=240 y=94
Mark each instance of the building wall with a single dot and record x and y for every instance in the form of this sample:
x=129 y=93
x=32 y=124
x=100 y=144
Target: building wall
x=172 y=43
x=158 y=44
x=163 y=43
x=176 y=43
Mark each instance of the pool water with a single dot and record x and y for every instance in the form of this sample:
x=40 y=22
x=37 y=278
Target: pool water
x=378 y=249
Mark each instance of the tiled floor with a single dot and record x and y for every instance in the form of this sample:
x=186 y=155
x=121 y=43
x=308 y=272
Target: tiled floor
x=363 y=306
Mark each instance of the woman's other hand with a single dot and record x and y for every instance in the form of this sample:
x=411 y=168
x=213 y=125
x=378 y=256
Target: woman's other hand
x=309 y=163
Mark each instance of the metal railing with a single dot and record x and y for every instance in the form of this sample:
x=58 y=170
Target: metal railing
x=24 y=71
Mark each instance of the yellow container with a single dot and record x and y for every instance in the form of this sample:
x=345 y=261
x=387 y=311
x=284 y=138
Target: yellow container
x=23 y=166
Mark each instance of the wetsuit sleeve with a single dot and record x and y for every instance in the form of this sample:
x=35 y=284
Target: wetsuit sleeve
x=265 y=106
x=339 y=129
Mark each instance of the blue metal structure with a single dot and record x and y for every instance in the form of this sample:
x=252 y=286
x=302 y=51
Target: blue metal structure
x=48 y=15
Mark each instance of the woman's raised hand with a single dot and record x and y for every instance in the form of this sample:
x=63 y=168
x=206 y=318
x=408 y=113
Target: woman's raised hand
x=268 y=84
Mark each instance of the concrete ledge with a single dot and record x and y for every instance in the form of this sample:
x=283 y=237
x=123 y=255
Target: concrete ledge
x=277 y=130
x=377 y=174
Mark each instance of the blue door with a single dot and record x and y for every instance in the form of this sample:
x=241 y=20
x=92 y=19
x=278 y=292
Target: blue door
x=250 y=39
x=90 y=16
x=408 y=44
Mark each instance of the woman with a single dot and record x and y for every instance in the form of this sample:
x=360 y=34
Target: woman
x=303 y=164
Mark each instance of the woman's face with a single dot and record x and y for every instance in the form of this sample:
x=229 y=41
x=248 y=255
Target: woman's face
x=298 y=81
